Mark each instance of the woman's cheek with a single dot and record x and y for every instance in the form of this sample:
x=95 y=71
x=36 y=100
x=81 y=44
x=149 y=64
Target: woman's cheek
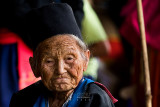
x=45 y=73
x=76 y=70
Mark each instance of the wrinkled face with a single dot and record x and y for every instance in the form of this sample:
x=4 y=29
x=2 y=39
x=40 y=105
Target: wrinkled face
x=60 y=63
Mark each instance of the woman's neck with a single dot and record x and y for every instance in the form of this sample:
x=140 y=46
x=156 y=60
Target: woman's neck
x=58 y=98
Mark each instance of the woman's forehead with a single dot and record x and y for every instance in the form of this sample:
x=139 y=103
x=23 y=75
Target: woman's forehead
x=58 y=43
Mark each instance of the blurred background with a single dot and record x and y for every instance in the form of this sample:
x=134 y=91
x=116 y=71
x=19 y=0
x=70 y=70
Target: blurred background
x=109 y=28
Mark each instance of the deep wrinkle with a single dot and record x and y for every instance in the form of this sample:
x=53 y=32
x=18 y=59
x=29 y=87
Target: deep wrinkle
x=64 y=48
x=60 y=64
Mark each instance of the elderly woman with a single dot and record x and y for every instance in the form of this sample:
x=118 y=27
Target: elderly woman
x=60 y=58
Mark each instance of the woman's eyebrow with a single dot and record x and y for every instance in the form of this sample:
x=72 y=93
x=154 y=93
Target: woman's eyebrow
x=48 y=54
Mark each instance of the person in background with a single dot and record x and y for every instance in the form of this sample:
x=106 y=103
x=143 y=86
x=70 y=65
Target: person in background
x=95 y=37
x=130 y=32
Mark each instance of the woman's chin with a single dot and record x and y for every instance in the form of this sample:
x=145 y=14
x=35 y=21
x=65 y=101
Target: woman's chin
x=62 y=87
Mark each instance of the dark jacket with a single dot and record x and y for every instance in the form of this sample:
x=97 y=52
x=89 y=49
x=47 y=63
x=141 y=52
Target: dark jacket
x=94 y=96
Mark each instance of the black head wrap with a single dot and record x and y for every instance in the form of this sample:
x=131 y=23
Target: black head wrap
x=51 y=20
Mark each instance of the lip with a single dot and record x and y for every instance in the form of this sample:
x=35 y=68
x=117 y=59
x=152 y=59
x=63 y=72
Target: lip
x=61 y=80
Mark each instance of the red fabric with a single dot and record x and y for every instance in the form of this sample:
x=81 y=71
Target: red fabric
x=137 y=80
x=116 y=50
x=26 y=76
x=154 y=61
x=107 y=91
x=130 y=29
x=155 y=76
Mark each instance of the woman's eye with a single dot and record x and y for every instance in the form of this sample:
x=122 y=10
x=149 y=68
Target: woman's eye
x=50 y=62
x=69 y=59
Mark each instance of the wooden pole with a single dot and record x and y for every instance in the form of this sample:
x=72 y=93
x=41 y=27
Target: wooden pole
x=144 y=54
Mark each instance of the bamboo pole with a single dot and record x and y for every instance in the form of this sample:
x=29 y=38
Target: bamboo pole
x=144 y=54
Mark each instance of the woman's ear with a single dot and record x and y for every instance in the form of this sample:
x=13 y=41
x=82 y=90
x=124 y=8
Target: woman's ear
x=34 y=67
x=87 y=55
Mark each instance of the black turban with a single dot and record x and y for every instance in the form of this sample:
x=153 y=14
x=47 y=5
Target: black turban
x=51 y=20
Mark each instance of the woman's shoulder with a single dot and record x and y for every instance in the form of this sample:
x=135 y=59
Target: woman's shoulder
x=27 y=96
x=96 y=96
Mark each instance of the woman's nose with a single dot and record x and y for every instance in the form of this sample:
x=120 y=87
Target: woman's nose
x=60 y=67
